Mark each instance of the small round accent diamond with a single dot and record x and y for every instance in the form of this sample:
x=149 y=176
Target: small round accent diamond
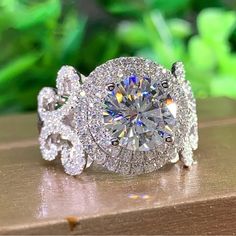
x=139 y=113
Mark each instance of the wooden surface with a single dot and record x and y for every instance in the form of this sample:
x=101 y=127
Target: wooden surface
x=36 y=197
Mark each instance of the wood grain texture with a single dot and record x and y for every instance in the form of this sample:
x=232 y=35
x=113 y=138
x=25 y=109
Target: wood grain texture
x=36 y=197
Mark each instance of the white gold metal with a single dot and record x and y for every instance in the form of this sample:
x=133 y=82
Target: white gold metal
x=129 y=115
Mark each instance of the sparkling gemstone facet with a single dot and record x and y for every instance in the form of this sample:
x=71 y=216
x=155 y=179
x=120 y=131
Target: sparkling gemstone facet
x=139 y=113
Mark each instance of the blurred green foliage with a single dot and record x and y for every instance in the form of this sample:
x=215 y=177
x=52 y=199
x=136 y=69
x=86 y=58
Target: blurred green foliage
x=38 y=36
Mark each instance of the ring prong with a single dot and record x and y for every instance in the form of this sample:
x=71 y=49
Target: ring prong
x=169 y=139
x=178 y=70
x=165 y=84
x=110 y=86
x=114 y=142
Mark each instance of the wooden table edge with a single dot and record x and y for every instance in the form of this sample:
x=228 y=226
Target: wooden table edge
x=76 y=225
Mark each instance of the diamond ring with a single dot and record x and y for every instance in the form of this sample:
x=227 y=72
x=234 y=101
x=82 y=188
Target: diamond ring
x=129 y=115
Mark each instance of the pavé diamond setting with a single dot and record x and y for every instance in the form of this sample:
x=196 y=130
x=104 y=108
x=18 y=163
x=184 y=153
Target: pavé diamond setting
x=129 y=115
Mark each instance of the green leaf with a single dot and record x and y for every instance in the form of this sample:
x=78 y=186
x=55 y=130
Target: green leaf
x=17 y=66
x=160 y=38
x=112 y=48
x=179 y=28
x=22 y=16
x=223 y=86
x=125 y=7
x=132 y=34
x=216 y=24
x=37 y=14
x=10 y=5
x=168 y=7
x=201 y=55
x=157 y=28
x=136 y=8
x=147 y=52
x=227 y=65
x=73 y=32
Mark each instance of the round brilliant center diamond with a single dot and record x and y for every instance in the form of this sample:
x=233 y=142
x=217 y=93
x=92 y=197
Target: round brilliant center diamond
x=139 y=113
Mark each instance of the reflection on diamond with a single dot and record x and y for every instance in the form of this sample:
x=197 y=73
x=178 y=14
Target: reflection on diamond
x=139 y=113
